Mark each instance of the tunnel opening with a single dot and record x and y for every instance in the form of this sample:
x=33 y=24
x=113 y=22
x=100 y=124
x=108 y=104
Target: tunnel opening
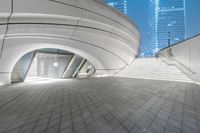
x=44 y=64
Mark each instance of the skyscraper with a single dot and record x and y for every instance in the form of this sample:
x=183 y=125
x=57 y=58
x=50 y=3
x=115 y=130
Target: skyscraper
x=121 y=5
x=167 y=21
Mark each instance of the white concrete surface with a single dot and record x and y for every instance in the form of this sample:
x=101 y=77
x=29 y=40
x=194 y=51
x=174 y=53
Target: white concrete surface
x=103 y=36
x=186 y=56
x=152 y=68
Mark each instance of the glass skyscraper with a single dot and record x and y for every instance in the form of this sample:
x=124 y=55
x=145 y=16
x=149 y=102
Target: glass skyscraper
x=121 y=5
x=167 y=24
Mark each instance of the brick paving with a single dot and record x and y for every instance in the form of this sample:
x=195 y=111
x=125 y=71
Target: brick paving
x=100 y=105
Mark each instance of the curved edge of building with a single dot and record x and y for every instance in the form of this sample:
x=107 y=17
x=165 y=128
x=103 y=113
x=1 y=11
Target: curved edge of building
x=103 y=36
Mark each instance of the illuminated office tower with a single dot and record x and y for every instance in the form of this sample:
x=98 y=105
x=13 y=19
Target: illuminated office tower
x=121 y=5
x=166 y=18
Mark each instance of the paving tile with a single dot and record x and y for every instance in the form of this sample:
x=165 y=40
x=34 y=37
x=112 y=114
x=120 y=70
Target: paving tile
x=104 y=129
x=175 y=123
x=128 y=124
x=172 y=129
x=160 y=121
x=187 y=129
x=101 y=105
x=156 y=129
x=144 y=123
x=136 y=129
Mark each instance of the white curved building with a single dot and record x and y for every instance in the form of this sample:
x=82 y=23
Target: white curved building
x=100 y=34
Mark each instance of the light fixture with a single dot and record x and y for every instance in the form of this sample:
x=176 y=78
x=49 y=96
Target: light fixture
x=55 y=64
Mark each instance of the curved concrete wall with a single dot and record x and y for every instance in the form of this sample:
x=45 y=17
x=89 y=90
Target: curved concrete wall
x=186 y=55
x=88 y=28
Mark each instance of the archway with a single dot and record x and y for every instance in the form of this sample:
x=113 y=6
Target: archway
x=49 y=63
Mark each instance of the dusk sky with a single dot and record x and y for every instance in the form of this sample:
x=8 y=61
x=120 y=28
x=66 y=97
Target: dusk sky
x=138 y=12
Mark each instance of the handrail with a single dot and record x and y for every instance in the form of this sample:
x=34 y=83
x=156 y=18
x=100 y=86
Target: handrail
x=178 y=43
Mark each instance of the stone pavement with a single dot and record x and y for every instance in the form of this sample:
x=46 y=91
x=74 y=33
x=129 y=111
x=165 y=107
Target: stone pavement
x=100 y=105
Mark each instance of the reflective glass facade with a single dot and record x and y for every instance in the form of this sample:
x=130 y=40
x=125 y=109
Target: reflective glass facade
x=121 y=5
x=166 y=17
x=51 y=64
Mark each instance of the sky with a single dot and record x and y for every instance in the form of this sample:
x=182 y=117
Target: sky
x=138 y=12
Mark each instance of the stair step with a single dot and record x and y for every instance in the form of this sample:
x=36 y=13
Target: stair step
x=153 y=69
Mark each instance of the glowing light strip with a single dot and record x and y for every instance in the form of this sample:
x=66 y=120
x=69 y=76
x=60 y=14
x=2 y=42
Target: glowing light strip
x=159 y=79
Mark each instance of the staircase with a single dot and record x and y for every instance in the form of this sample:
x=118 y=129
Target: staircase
x=152 y=68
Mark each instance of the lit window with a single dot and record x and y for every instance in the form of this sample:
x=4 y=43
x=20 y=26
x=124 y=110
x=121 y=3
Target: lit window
x=55 y=64
x=111 y=4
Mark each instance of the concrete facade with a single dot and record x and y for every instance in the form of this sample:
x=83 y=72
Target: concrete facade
x=100 y=34
x=185 y=55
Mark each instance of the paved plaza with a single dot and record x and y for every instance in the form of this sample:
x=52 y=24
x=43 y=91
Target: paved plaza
x=100 y=105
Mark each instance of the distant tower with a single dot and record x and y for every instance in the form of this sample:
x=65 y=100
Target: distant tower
x=166 y=16
x=121 y=5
